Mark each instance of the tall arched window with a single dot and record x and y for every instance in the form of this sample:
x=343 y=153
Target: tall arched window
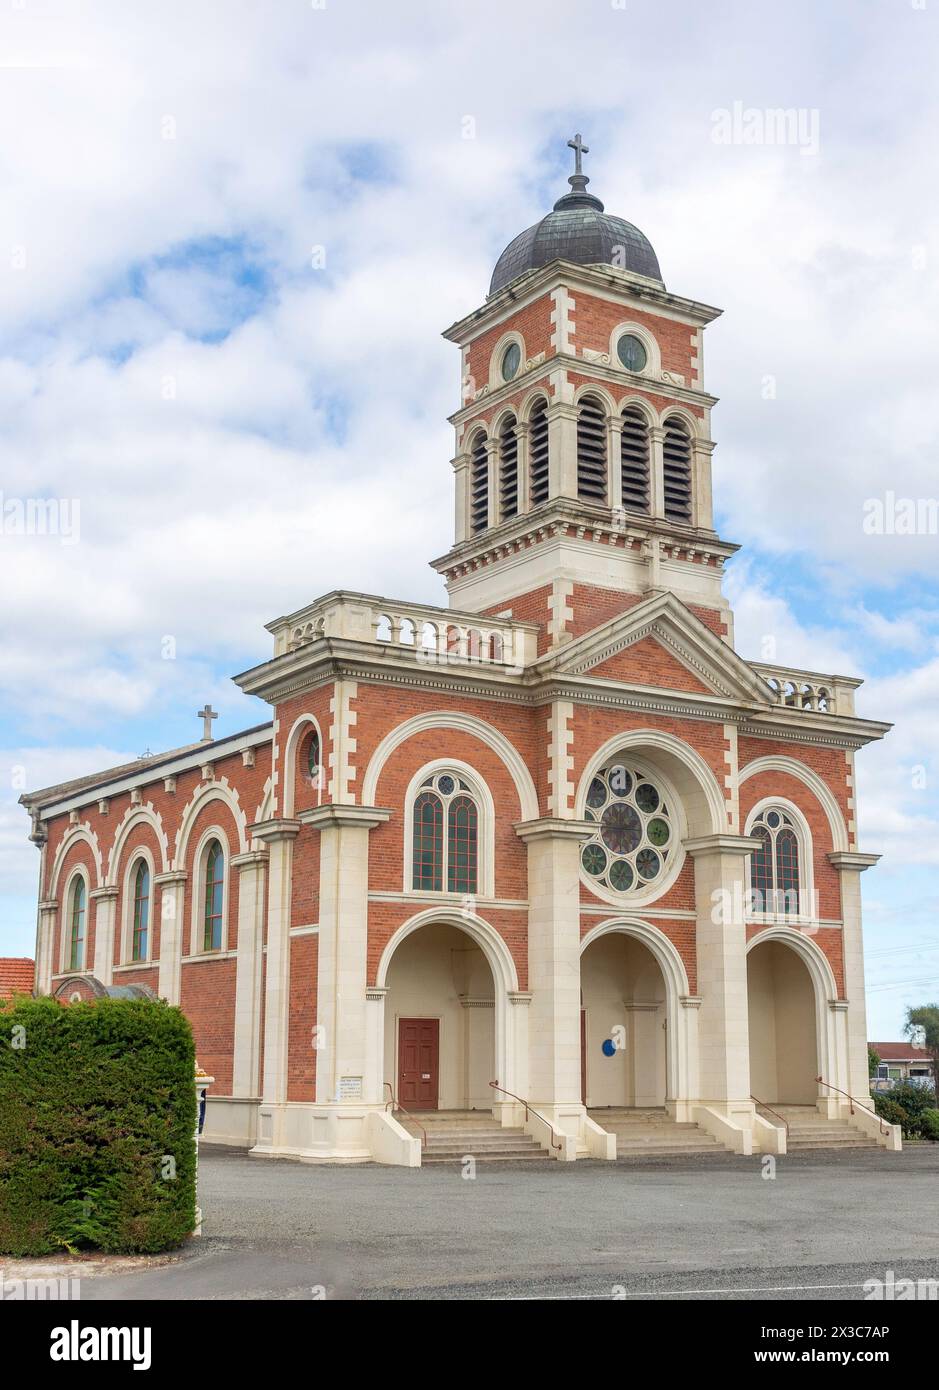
x=538 y=452
x=214 y=897
x=141 y=928
x=591 y=451
x=508 y=469
x=479 y=483
x=676 y=459
x=774 y=867
x=76 y=926
x=634 y=460
x=446 y=836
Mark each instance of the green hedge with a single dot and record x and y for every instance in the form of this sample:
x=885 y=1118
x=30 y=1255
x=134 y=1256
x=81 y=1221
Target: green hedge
x=906 y=1104
x=97 y=1123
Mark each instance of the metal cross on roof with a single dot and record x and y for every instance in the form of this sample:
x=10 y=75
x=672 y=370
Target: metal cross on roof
x=207 y=715
x=579 y=148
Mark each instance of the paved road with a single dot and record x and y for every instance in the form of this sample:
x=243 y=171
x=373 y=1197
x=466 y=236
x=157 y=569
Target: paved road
x=683 y=1228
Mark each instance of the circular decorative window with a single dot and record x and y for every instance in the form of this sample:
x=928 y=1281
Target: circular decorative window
x=511 y=361
x=635 y=839
x=632 y=353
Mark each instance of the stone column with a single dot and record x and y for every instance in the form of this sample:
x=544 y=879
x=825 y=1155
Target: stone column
x=172 y=886
x=279 y=836
x=45 y=960
x=105 y=901
x=554 y=966
x=252 y=887
x=850 y=866
x=492 y=455
x=562 y=450
x=461 y=477
x=342 y=1030
x=720 y=878
x=614 y=449
x=703 y=509
x=522 y=435
x=657 y=470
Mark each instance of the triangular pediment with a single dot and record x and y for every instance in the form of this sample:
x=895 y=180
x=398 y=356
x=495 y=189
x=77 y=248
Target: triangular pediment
x=659 y=643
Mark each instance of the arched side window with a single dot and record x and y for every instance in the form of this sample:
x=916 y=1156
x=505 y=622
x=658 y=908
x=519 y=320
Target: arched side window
x=446 y=836
x=775 y=877
x=76 y=925
x=479 y=484
x=508 y=469
x=676 y=459
x=140 y=932
x=591 y=451
x=538 y=453
x=212 y=920
x=634 y=460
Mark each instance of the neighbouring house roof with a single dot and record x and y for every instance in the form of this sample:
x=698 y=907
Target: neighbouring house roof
x=899 y=1052
x=17 y=975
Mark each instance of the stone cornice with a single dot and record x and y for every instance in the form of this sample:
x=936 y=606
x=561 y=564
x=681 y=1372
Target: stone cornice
x=252 y=858
x=106 y=891
x=169 y=877
x=852 y=860
x=721 y=844
x=339 y=814
x=553 y=827
x=271 y=831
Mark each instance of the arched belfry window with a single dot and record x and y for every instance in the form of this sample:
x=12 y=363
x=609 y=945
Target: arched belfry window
x=479 y=484
x=141 y=924
x=508 y=469
x=591 y=451
x=446 y=836
x=212 y=919
x=538 y=452
x=76 y=925
x=676 y=461
x=634 y=460
x=775 y=869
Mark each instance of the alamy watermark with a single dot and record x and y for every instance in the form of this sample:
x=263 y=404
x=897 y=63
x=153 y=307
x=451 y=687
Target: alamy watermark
x=41 y=516
x=797 y=126
x=891 y=515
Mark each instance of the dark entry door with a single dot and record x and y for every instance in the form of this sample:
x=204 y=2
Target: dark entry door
x=418 y=1062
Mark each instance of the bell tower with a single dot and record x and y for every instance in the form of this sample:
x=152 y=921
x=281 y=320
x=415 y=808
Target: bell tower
x=582 y=465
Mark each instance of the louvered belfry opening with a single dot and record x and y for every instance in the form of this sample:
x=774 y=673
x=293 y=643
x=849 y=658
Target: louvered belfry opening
x=508 y=469
x=676 y=456
x=479 y=484
x=538 y=452
x=591 y=451
x=634 y=458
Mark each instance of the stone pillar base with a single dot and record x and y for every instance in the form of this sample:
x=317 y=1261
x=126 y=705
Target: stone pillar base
x=332 y=1133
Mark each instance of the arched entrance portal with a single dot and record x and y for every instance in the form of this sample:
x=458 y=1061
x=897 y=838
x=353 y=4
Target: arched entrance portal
x=624 y=1035
x=439 y=1043
x=784 y=1058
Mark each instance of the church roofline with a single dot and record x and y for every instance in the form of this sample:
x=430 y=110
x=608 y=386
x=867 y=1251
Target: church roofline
x=66 y=796
x=537 y=282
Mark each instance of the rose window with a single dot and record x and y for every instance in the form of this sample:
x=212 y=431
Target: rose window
x=635 y=835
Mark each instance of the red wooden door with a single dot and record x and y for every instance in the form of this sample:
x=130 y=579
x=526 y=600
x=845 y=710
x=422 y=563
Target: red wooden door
x=418 y=1062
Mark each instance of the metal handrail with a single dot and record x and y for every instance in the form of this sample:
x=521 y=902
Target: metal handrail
x=528 y=1106
x=884 y=1127
x=396 y=1105
x=773 y=1112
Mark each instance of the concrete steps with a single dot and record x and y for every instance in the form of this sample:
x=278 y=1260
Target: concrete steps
x=648 y=1132
x=808 y=1129
x=453 y=1135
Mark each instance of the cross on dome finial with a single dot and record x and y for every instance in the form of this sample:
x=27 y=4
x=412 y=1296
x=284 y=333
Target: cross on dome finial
x=579 y=148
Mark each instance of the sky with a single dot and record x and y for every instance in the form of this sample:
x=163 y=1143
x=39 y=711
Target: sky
x=231 y=234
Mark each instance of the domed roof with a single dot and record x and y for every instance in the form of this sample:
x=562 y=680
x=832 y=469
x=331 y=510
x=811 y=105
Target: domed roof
x=577 y=229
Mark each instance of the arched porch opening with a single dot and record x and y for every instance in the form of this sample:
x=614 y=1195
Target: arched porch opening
x=624 y=1024
x=440 y=1025
x=783 y=1008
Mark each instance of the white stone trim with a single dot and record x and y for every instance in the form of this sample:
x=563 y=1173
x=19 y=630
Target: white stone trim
x=463 y=723
x=823 y=793
x=561 y=321
x=495 y=359
x=134 y=816
x=204 y=793
x=342 y=769
x=299 y=731
x=560 y=757
x=482 y=796
x=74 y=834
x=76 y=871
x=653 y=367
x=561 y=611
x=656 y=740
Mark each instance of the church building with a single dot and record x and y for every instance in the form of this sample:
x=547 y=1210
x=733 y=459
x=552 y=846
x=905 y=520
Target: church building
x=551 y=871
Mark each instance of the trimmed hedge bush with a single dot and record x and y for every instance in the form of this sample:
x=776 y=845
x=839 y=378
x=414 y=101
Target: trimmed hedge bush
x=906 y=1104
x=97 y=1126
x=930 y=1124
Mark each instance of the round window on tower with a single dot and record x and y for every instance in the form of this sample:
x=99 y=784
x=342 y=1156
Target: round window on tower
x=632 y=353
x=511 y=361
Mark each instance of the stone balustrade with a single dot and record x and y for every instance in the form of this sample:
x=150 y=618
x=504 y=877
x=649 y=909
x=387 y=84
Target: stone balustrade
x=429 y=634
x=809 y=690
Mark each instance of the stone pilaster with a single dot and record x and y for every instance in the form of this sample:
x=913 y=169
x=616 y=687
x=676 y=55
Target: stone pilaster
x=105 y=901
x=657 y=470
x=562 y=450
x=554 y=846
x=523 y=436
x=850 y=866
x=45 y=959
x=172 y=887
x=720 y=876
x=252 y=886
x=279 y=836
